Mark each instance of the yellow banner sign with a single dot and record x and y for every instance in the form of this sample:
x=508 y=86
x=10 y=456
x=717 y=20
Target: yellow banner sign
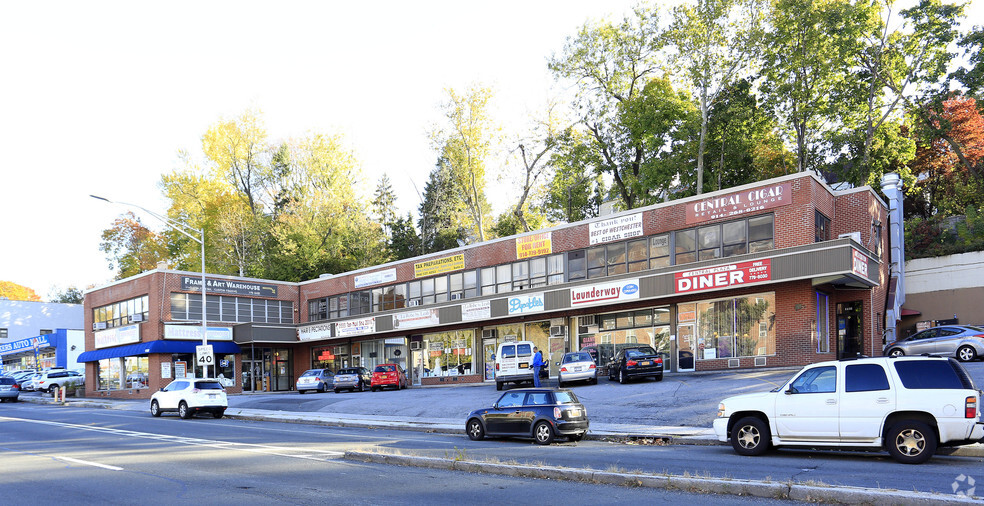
x=439 y=265
x=533 y=245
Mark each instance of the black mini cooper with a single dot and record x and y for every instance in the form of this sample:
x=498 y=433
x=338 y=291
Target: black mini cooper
x=538 y=413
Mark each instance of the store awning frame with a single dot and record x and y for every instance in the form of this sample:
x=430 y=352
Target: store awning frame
x=159 y=346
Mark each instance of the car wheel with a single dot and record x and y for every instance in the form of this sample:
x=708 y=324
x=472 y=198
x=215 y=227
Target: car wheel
x=475 y=430
x=896 y=353
x=362 y=387
x=750 y=436
x=498 y=385
x=576 y=437
x=183 y=410
x=218 y=413
x=622 y=378
x=300 y=392
x=560 y=384
x=374 y=389
x=594 y=381
x=337 y=391
x=611 y=374
x=543 y=434
x=321 y=388
x=658 y=378
x=911 y=442
x=155 y=409
x=966 y=353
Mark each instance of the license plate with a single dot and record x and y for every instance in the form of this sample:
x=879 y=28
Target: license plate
x=646 y=363
x=574 y=413
x=524 y=365
x=578 y=369
x=211 y=396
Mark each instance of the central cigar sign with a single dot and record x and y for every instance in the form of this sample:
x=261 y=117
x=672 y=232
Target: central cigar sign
x=724 y=276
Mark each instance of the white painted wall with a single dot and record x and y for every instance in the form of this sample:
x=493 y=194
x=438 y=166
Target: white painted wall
x=24 y=319
x=951 y=272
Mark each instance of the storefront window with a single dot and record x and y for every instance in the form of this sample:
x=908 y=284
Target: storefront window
x=449 y=353
x=738 y=327
x=226 y=370
x=109 y=374
x=630 y=328
x=136 y=372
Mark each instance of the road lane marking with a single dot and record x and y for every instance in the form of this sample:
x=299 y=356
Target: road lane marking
x=86 y=462
x=281 y=451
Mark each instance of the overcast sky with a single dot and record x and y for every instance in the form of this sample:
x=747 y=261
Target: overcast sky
x=99 y=97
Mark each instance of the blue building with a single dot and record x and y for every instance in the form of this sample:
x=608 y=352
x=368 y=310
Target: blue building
x=58 y=349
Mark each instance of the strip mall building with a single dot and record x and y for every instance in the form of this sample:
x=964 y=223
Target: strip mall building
x=783 y=272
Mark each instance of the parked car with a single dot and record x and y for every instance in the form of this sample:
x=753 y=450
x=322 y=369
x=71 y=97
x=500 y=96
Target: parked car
x=577 y=366
x=636 y=362
x=388 y=375
x=9 y=389
x=513 y=363
x=351 y=379
x=188 y=396
x=318 y=380
x=538 y=413
x=30 y=382
x=21 y=376
x=53 y=379
x=962 y=341
x=907 y=405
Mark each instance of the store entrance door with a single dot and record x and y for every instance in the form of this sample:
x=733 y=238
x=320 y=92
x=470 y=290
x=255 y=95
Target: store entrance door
x=253 y=376
x=850 y=337
x=417 y=359
x=488 y=355
x=685 y=347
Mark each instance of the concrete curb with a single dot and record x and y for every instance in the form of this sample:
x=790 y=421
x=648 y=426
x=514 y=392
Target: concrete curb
x=769 y=490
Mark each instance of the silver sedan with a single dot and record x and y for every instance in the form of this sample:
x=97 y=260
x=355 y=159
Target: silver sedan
x=962 y=341
x=577 y=366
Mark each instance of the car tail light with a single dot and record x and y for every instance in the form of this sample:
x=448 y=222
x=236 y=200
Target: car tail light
x=16 y=386
x=563 y=369
x=970 y=409
x=659 y=360
x=195 y=390
x=557 y=413
x=631 y=363
x=592 y=366
x=496 y=367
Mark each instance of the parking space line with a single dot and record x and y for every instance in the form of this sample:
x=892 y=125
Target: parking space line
x=86 y=462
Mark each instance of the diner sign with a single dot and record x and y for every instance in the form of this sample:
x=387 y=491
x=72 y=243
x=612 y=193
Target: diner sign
x=439 y=265
x=533 y=245
x=724 y=276
x=736 y=204
x=859 y=263
x=615 y=229
x=355 y=327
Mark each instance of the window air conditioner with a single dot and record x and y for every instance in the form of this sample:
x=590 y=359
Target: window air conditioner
x=557 y=331
x=854 y=236
x=413 y=302
x=457 y=296
x=136 y=318
x=488 y=333
x=415 y=345
x=100 y=325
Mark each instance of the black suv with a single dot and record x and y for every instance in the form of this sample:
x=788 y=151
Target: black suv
x=636 y=362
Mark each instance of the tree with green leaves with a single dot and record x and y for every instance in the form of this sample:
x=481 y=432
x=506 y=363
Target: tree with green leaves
x=384 y=204
x=70 y=295
x=715 y=41
x=575 y=191
x=442 y=205
x=130 y=247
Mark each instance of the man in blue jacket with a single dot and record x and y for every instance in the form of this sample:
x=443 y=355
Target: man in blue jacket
x=538 y=364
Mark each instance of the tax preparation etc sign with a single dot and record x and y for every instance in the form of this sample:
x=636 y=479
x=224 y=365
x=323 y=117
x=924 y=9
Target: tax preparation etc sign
x=724 y=276
x=739 y=203
x=439 y=265
x=605 y=293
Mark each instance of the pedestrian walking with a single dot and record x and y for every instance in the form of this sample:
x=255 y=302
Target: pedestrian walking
x=538 y=364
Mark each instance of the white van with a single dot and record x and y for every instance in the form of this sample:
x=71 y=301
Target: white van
x=513 y=363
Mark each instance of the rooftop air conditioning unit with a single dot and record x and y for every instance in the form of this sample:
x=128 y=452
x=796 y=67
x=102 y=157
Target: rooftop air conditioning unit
x=558 y=331
x=488 y=333
x=136 y=318
x=854 y=236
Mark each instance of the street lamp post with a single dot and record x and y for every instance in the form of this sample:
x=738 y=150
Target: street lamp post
x=187 y=231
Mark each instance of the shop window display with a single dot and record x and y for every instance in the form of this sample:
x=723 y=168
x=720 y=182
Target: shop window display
x=450 y=353
x=736 y=327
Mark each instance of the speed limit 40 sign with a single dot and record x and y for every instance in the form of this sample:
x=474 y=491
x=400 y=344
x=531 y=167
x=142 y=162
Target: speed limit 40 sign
x=205 y=356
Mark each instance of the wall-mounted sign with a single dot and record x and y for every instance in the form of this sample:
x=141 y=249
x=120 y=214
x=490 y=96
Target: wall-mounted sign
x=534 y=245
x=314 y=332
x=523 y=304
x=735 y=204
x=723 y=276
x=228 y=287
x=25 y=344
x=165 y=370
x=615 y=229
x=479 y=310
x=117 y=336
x=439 y=265
x=419 y=318
x=355 y=327
x=859 y=263
x=375 y=278
x=180 y=369
x=604 y=293
x=194 y=333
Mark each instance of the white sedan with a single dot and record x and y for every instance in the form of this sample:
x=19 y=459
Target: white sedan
x=577 y=366
x=188 y=396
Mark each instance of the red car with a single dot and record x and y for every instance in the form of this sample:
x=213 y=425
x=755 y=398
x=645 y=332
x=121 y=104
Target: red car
x=388 y=375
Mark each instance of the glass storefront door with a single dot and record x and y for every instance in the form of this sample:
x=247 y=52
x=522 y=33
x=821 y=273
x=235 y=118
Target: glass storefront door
x=685 y=347
x=850 y=339
x=488 y=353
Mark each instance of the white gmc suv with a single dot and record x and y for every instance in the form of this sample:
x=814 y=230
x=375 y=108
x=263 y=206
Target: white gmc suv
x=907 y=405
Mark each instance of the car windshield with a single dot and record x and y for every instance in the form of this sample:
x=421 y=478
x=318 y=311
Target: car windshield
x=312 y=372
x=639 y=352
x=385 y=368
x=975 y=329
x=349 y=371
x=565 y=397
x=208 y=385
x=577 y=357
x=6 y=381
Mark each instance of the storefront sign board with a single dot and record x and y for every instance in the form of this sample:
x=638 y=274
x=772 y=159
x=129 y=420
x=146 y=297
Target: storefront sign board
x=228 y=287
x=25 y=344
x=534 y=245
x=413 y=319
x=615 y=229
x=604 y=293
x=723 y=276
x=165 y=370
x=194 y=333
x=480 y=310
x=524 y=304
x=739 y=203
x=117 y=336
x=355 y=327
x=859 y=263
x=439 y=265
x=314 y=332
x=375 y=278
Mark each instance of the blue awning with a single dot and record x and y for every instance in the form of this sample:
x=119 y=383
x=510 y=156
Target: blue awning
x=161 y=346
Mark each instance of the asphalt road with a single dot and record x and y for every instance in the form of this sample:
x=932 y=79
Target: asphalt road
x=58 y=455
x=163 y=459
